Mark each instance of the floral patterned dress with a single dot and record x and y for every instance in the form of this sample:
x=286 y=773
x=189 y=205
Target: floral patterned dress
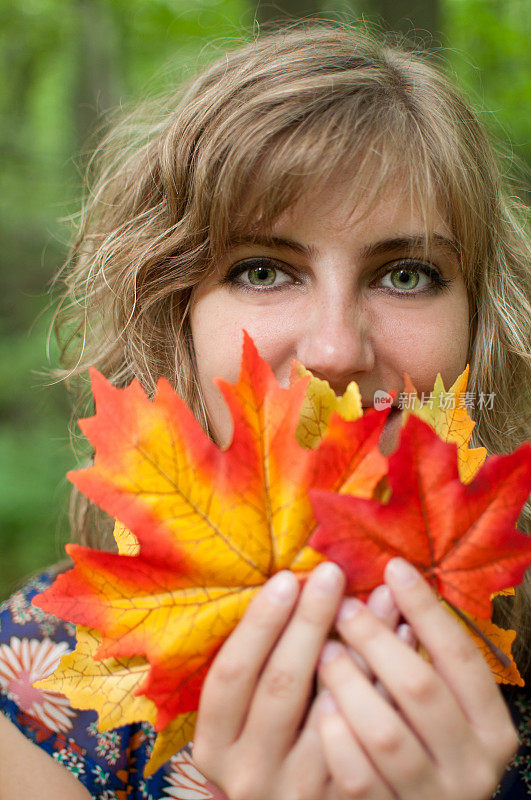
x=111 y=764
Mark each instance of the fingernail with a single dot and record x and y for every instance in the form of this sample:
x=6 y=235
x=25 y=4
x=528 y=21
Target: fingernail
x=326 y=577
x=327 y=704
x=282 y=587
x=349 y=608
x=401 y=573
x=405 y=633
x=381 y=602
x=330 y=651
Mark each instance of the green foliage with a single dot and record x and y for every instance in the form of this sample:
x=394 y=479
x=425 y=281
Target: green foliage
x=34 y=455
x=489 y=48
x=51 y=50
x=68 y=61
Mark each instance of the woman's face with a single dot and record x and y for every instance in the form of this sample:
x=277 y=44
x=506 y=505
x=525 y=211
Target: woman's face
x=351 y=297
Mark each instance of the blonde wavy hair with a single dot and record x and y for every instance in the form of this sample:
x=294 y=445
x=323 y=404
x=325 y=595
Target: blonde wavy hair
x=179 y=175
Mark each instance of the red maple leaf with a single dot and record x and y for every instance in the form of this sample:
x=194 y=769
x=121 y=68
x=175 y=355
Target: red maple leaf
x=462 y=538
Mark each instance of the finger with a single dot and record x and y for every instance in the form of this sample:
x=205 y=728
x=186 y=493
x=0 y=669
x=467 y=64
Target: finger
x=305 y=766
x=282 y=693
x=399 y=758
x=233 y=675
x=352 y=772
x=416 y=688
x=455 y=656
x=407 y=635
x=382 y=604
x=404 y=633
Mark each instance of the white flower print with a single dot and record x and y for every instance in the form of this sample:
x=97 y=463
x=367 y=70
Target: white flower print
x=70 y=760
x=76 y=765
x=20 y=610
x=109 y=746
x=187 y=783
x=24 y=661
x=144 y=790
x=149 y=733
x=61 y=756
x=100 y=776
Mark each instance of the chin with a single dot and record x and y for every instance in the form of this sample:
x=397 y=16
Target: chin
x=391 y=432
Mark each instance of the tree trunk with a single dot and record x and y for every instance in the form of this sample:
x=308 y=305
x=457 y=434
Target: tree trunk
x=97 y=87
x=417 y=18
x=283 y=10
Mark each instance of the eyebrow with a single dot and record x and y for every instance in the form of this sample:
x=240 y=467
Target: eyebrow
x=413 y=242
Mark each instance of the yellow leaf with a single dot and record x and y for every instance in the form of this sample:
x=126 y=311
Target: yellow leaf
x=126 y=541
x=449 y=418
x=108 y=686
x=112 y=688
x=319 y=404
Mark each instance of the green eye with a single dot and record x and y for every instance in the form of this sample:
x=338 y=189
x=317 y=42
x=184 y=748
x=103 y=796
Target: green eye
x=258 y=274
x=262 y=276
x=404 y=278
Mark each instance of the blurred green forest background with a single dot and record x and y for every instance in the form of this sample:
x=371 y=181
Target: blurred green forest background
x=65 y=63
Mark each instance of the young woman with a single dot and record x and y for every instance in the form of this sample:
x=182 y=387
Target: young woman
x=338 y=200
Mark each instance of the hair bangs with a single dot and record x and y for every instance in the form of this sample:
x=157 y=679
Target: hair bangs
x=351 y=147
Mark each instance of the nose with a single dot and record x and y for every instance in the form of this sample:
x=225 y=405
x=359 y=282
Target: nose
x=335 y=343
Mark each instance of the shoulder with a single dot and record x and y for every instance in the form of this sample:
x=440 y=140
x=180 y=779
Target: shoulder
x=17 y=612
x=26 y=768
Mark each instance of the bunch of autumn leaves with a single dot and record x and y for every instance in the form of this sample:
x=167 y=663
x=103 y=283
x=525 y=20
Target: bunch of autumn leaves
x=201 y=529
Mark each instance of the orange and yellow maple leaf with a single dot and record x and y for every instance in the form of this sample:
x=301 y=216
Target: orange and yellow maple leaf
x=201 y=528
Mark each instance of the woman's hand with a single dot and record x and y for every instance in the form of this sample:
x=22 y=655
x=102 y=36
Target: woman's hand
x=254 y=738
x=257 y=729
x=442 y=733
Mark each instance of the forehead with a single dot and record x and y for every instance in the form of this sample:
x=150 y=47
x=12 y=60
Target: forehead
x=342 y=204
x=337 y=208
x=354 y=176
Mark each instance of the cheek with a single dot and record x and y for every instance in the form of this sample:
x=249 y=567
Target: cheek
x=435 y=343
x=423 y=342
x=218 y=336
x=217 y=347
x=217 y=326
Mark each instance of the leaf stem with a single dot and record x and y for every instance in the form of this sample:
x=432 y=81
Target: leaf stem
x=499 y=654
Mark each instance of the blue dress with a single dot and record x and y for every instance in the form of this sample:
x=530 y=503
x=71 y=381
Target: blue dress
x=111 y=764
